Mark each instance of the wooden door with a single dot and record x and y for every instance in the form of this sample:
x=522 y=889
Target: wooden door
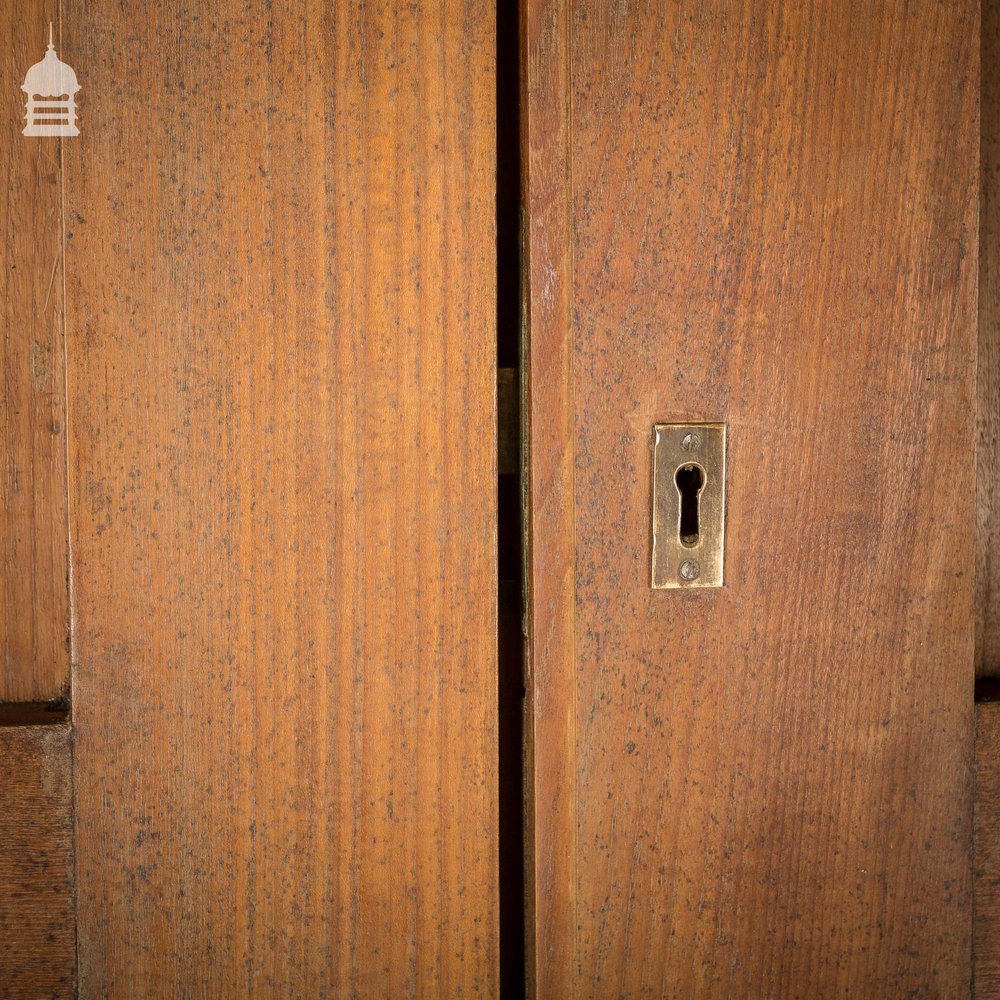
x=275 y=234
x=763 y=214
x=257 y=734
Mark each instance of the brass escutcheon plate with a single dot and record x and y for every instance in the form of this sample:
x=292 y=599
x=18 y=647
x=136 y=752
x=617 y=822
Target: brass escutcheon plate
x=689 y=505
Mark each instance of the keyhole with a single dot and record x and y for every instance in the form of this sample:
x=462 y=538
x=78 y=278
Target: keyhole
x=690 y=481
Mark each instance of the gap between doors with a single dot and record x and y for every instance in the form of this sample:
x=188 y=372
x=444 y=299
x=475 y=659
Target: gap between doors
x=510 y=644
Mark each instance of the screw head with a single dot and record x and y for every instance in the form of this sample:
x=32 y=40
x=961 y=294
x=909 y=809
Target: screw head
x=689 y=570
x=691 y=441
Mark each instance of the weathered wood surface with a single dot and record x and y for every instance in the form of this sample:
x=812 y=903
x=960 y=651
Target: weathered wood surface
x=986 y=929
x=280 y=267
x=763 y=214
x=37 y=925
x=988 y=424
x=34 y=603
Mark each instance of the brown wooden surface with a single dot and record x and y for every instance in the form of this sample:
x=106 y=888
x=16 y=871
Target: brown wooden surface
x=988 y=455
x=763 y=214
x=986 y=936
x=548 y=415
x=34 y=606
x=282 y=377
x=37 y=933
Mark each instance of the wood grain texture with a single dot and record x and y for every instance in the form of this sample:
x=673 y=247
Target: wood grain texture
x=282 y=370
x=550 y=722
x=34 y=603
x=762 y=790
x=988 y=423
x=37 y=926
x=986 y=882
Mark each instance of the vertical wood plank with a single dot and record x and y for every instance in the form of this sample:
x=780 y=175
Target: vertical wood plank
x=773 y=224
x=988 y=423
x=986 y=985
x=549 y=419
x=986 y=882
x=34 y=605
x=282 y=372
x=37 y=925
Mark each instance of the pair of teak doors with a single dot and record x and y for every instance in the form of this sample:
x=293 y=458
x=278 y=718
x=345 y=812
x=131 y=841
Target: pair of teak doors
x=252 y=515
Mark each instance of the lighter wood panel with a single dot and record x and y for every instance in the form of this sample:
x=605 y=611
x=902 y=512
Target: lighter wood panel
x=282 y=370
x=550 y=722
x=34 y=606
x=37 y=926
x=988 y=424
x=762 y=790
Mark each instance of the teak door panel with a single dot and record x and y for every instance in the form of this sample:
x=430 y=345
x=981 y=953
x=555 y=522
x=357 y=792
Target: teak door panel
x=986 y=938
x=37 y=919
x=763 y=214
x=281 y=307
x=988 y=367
x=249 y=369
x=34 y=545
